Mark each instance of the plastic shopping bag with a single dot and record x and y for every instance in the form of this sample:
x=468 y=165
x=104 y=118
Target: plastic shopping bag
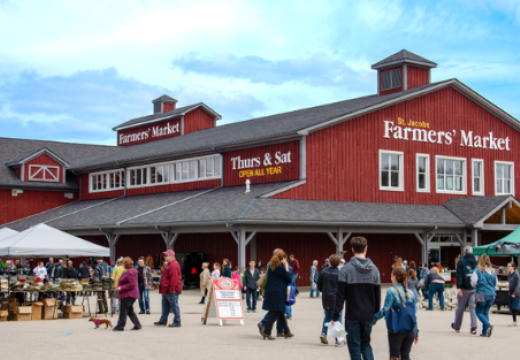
x=337 y=331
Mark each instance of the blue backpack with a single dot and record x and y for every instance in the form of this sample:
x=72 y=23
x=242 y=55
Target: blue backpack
x=400 y=318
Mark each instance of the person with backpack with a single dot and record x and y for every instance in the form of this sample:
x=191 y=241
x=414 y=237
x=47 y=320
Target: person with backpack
x=328 y=285
x=466 y=282
x=485 y=293
x=435 y=285
x=514 y=292
x=400 y=343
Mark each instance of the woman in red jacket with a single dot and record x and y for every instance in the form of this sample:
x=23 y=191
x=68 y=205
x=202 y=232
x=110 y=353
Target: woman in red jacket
x=127 y=293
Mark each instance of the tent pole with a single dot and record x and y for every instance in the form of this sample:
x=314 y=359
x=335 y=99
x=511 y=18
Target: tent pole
x=8 y=292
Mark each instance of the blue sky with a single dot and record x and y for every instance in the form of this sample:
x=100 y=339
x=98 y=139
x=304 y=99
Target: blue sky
x=71 y=70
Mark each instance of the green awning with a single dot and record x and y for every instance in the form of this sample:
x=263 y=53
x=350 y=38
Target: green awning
x=514 y=237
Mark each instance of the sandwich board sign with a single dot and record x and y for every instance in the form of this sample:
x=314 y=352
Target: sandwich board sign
x=224 y=301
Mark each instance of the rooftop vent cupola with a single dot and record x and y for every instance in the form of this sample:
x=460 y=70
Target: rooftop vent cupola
x=163 y=104
x=402 y=71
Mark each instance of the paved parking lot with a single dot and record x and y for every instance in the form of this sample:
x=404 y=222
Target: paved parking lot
x=77 y=339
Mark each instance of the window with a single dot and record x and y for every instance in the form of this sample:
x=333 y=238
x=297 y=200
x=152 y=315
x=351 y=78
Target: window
x=45 y=173
x=390 y=79
x=451 y=175
x=423 y=172
x=477 y=171
x=107 y=181
x=504 y=178
x=205 y=168
x=391 y=170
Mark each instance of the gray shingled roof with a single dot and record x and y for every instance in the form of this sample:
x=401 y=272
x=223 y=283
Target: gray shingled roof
x=474 y=209
x=233 y=204
x=164 y=116
x=344 y=211
x=165 y=98
x=404 y=56
x=20 y=148
x=268 y=127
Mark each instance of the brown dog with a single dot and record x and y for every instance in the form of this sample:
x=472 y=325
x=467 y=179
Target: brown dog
x=101 y=321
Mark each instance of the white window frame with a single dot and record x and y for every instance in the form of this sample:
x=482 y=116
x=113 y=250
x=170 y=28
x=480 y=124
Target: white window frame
x=106 y=173
x=482 y=188
x=401 y=171
x=427 y=173
x=464 y=175
x=172 y=174
x=44 y=169
x=510 y=163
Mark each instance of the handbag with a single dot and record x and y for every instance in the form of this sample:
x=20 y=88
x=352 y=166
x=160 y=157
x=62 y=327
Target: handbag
x=262 y=282
x=400 y=318
x=291 y=295
x=480 y=298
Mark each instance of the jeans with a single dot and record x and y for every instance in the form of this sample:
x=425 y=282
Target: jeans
x=467 y=298
x=317 y=291
x=127 y=309
x=279 y=327
x=288 y=311
x=401 y=344
x=251 y=293
x=144 y=300
x=436 y=288
x=169 y=303
x=358 y=339
x=482 y=312
x=294 y=278
x=328 y=318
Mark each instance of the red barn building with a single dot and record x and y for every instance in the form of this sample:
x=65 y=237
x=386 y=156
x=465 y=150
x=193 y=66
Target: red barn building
x=419 y=168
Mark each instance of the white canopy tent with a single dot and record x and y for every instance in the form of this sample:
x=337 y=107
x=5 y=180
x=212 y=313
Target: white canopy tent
x=6 y=232
x=42 y=240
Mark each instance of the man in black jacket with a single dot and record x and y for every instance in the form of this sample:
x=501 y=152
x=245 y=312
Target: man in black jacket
x=251 y=276
x=466 y=294
x=328 y=285
x=360 y=287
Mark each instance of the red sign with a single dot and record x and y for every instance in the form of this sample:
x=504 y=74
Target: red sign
x=153 y=132
x=264 y=164
x=228 y=300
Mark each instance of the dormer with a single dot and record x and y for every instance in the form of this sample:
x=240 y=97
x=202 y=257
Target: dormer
x=39 y=166
x=167 y=121
x=402 y=71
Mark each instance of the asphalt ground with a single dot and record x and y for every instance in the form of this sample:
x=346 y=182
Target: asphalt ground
x=77 y=339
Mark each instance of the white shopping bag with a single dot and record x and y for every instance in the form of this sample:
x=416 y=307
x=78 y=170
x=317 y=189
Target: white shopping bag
x=337 y=331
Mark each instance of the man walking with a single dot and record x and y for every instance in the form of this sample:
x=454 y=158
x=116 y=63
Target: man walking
x=144 y=281
x=251 y=276
x=295 y=264
x=328 y=284
x=118 y=271
x=315 y=275
x=466 y=293
x=171 y=288
x=360 y=287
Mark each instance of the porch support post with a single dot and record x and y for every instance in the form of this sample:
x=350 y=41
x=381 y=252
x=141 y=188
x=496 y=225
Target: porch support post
x=112 y=241
x=169 y=237
x=474 y=238
x=503 y=216
x=253 y=248
x=424 y=247
x=242 y=247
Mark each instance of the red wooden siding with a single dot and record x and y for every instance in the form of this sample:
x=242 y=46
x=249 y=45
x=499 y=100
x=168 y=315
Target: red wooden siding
x=196 y=120
x=30 y=202
x=86 y=195
x=170 y=128
x=416 y=76
x=207 y=184
x=380 y=79
x=343 y=160
x=263 y=172
x=43 y=159
x=168 y=107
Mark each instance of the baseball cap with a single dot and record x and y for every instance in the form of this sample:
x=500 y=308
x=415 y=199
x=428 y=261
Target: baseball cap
x=169 y=252
x=343 y=260
x=326 y=260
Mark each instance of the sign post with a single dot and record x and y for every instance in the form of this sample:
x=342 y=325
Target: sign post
x=224 y=301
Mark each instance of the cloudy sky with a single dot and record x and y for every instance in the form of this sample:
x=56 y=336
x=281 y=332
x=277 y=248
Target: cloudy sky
x=71 y=70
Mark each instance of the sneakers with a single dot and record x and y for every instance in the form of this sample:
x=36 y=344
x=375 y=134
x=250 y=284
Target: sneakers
x=490 y=330
x=453 y=327
x=254 y=311
x=513 y=325
x=324 y=340
x=473 y=331
x=158 y=323
x=141 y=312
x=248 y=310
x=175 y=325
x=280 y=335
x=148 y=312
x=341 y=343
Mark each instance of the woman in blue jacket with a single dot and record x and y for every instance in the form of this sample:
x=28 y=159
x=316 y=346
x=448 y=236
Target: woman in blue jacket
x=279 y=275
x=400 y=343
x=487 y=283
